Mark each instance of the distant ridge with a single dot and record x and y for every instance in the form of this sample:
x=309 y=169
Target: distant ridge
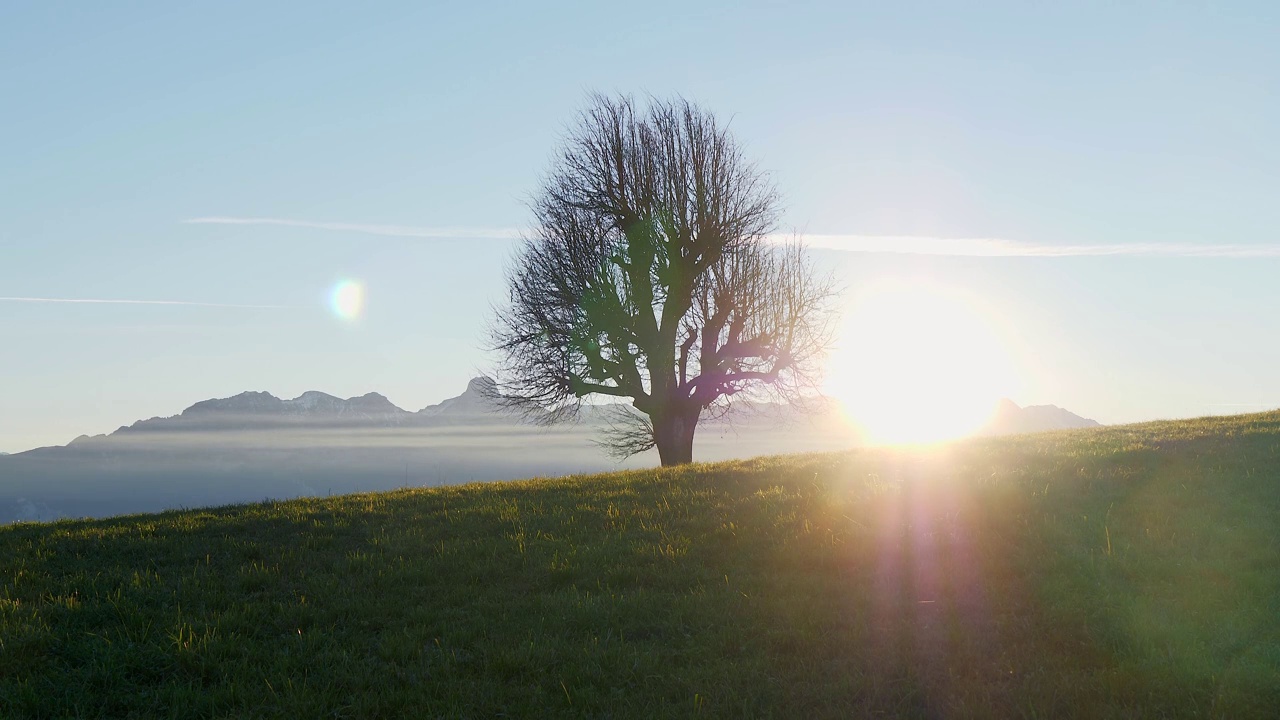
x=255 y=410
x=476 y=405
x=1010 y=419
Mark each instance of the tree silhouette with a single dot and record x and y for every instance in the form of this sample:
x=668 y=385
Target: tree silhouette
x=651 y=275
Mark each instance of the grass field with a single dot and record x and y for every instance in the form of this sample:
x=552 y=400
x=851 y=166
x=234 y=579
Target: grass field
x=1121 y=572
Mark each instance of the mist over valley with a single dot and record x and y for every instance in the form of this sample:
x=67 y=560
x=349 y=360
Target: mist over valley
x=255 y=446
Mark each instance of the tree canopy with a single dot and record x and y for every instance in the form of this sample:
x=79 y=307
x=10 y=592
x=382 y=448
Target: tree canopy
x=653 y=275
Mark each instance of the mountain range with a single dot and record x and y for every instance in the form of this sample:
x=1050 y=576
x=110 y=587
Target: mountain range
x=251 y=410
x=255 y=445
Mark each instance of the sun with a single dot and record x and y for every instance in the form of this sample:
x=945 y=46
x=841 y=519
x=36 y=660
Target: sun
x=919 y=362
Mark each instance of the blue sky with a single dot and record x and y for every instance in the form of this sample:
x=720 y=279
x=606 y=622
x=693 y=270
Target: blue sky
x=1147 y=130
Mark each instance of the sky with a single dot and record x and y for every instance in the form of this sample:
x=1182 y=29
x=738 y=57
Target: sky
x=1098 y=178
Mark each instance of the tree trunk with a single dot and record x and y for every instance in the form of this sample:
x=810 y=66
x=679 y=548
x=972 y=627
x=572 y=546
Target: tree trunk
x=673 y=434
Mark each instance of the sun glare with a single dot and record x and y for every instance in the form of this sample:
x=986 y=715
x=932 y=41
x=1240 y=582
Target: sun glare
x=347 y=299
x=919 y=362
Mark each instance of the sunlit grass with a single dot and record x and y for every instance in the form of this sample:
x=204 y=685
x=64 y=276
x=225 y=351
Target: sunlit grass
x=1118 y=572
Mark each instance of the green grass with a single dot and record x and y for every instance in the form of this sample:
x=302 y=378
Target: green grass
x=1120 y=572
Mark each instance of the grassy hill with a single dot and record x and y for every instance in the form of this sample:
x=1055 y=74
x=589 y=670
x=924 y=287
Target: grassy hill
x=1119 y=572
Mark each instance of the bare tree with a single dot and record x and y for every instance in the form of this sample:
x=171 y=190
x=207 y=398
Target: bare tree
x=651 y=276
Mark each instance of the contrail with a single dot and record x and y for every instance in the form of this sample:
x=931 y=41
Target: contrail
x=881 y=244
x=102 y=301
x=384 y=230
x=992 y=247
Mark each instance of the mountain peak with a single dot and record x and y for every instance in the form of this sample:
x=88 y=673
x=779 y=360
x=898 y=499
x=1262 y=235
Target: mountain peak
x=373 y=403
x=477 y=401
x=1009 y=418
x=312 y=400
x=247 y=401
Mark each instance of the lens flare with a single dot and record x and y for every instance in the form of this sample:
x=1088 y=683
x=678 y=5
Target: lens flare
x=347 y=299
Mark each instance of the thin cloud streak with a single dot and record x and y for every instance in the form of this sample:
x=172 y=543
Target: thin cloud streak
x=102 y=301
x=384 y=230
x=882 y=244
x=992 y=247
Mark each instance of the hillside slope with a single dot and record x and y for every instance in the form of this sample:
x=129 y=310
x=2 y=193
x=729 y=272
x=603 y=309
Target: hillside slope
x=1114 y=572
